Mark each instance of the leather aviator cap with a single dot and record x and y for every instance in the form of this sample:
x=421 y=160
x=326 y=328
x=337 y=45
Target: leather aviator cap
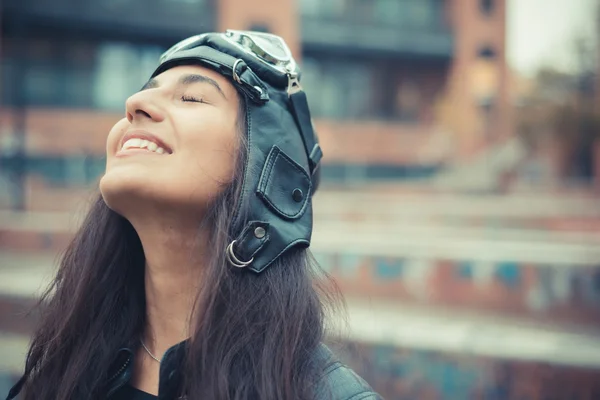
x=281 y=171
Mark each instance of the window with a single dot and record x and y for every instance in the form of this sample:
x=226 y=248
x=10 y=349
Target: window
x=43 y=83
x=509 y=273
x=310 y=7
x=390 y=12
x=8 y=71
x=338 y=89
x=75 y=170
x=408 y=101
x=421 y=14
x=358 y=88
x=352 y=173
x=324 y=9
x=486 y=52
x=76 y=75
x=81 y=60
x=596 y=281
x=121 y=69
x=485 y=80
x=43 y=74
x=592 y=291
x=487 y=7
x=413 y=13
x=260 y=27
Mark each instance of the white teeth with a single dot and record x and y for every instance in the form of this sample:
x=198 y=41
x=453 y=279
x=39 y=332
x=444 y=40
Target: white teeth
x=143 y=144
x=132 y=143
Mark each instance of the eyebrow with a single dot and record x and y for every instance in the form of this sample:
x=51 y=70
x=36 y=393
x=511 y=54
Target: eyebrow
x=188 y=79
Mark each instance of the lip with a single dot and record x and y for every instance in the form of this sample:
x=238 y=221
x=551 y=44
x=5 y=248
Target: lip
x=145 y=135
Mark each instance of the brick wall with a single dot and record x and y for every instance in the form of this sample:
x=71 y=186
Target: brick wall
x=414 y=374
x=76 y=132
x=512 y=289
x=472 y=31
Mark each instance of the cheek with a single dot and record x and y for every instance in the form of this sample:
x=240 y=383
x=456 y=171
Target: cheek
x=209 y=160
x=114 y=135
x=200 y=169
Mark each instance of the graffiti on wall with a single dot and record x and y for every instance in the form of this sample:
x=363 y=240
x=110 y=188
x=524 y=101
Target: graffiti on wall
x=542 y=287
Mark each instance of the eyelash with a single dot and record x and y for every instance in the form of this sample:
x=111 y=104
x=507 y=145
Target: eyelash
x=191 y=99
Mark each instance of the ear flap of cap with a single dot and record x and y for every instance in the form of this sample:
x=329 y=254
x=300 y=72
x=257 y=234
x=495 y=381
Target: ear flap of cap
x=284 y=185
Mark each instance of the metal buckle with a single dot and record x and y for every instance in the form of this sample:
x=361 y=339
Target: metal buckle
x=236 y=77
x=233 y=260
x=293 y=84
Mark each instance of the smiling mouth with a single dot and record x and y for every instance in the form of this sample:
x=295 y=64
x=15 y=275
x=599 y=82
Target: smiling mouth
x=142 y=144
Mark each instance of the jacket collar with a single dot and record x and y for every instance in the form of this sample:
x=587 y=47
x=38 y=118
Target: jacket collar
x=170 y=378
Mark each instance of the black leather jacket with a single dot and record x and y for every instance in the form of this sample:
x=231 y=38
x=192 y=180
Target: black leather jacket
x=338 y=381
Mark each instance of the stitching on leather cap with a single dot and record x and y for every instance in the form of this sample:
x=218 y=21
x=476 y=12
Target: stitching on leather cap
x=266 y=173
x=263 y=243
x=271 y=174
x=216 y=64
x=308 y=189
x=296 y=166
x=294 y=243
x=263 y=188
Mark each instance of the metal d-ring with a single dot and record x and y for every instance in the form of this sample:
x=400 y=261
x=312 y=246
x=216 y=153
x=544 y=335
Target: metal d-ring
x=233 y=260
x=236 y=77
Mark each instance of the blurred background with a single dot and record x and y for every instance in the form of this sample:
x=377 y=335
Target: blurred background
x=460 y=205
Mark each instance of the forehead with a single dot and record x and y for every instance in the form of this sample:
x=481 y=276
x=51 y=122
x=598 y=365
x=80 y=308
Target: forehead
x=172 y=75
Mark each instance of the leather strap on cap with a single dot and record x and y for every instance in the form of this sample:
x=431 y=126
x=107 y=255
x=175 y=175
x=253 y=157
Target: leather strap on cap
x=244 y=78
x=248 y=243
x=302 y=116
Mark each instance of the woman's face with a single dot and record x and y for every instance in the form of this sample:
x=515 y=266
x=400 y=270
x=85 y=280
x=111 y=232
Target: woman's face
x=177 y=144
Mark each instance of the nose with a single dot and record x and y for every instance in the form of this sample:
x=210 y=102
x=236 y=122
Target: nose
x=144 y=105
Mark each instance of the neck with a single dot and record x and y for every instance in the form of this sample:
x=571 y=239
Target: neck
x=174 y=253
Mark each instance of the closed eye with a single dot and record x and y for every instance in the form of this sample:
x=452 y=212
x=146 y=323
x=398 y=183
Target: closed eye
x=191 y=99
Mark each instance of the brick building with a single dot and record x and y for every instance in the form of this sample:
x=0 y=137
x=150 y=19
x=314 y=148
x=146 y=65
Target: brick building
x=398 y=87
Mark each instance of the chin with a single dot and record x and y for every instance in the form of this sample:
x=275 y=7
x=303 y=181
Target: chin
x=121 y=192
x=127 y=194
x=113 y=193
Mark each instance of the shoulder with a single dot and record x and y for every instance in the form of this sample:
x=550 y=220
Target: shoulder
x=337 y=381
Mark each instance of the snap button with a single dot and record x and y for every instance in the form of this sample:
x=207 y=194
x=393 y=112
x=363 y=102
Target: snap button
x=297 y=195
x=259 y=232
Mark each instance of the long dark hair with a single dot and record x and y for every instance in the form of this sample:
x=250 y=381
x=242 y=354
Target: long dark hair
x=254 y=338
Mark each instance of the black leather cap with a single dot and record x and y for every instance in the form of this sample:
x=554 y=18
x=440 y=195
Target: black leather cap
x=282 y=167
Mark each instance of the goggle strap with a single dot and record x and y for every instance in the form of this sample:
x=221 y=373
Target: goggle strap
x=236 y=68
x=301 y=114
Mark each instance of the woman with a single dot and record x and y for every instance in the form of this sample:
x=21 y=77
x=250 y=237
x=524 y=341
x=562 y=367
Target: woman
x=190 y=277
